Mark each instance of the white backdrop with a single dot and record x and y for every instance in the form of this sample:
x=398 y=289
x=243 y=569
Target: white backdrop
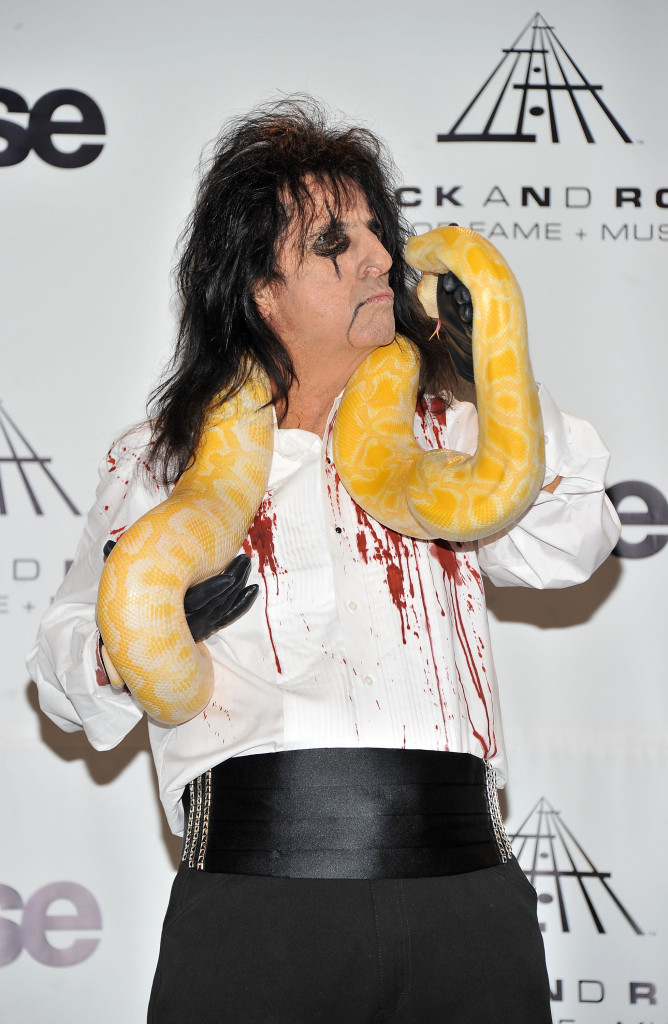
x=87 y=325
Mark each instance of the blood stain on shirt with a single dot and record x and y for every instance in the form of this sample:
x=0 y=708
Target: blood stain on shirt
x=391 y=550
x=404 y=567
x=434 y=660
x=145 y=465
x=362 y=546
x=432 y=413
x=447 y=559
x=452 y=571
x=377 y=543
x=474 y=573
x=260 y=541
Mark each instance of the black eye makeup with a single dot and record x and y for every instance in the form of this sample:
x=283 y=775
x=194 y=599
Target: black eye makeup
x=332 y=242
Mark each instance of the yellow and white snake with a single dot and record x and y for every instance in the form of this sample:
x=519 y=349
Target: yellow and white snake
x=197 y=531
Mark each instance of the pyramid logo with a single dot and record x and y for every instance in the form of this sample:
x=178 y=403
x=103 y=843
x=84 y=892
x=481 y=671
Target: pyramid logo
x=561 y=872
x=16 y=451
x=535 y=76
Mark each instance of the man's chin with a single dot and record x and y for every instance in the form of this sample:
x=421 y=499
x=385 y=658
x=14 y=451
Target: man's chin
x=372 y=339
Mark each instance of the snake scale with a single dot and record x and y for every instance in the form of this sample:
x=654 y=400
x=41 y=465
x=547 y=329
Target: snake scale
x=436 y=494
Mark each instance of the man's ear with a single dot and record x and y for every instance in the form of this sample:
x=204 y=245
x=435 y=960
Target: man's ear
x=264 y=299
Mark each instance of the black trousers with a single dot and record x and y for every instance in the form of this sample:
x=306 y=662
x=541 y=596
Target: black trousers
x=249 y=949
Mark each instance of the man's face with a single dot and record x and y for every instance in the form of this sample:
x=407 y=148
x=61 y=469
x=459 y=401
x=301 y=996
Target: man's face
x=334 y=304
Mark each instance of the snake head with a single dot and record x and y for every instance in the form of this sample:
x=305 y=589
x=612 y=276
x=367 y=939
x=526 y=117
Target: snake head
x=426 y=293
x=443 y=296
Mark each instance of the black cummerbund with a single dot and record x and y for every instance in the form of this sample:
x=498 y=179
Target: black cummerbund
x=340 y=812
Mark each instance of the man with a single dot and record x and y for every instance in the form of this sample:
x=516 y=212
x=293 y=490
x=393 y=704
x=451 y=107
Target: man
x=344 y=858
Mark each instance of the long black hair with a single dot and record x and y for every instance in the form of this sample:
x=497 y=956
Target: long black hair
x=256 y=183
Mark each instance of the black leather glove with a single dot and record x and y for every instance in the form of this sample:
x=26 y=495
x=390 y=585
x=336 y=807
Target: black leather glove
x=455 y=310
x=215 y=602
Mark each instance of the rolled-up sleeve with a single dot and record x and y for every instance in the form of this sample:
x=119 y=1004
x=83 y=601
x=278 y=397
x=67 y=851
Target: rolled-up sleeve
x=64 y=663
x=564 y=537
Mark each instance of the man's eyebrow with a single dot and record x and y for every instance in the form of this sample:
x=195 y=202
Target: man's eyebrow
x=334 y=223
x=321 y=226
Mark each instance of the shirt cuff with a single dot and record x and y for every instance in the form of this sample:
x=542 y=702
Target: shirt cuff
x=556 y=439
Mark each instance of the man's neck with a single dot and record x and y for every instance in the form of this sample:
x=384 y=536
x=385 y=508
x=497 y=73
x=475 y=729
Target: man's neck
x=311 y=399
x=309 y=408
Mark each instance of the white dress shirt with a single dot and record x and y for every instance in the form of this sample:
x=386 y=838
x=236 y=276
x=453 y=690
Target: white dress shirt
x=360 y=636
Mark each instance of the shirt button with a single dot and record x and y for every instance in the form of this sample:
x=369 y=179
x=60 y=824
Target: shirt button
x=368 y=680
x=352 y=606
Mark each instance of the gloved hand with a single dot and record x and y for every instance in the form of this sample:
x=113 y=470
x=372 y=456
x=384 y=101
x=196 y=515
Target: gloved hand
x=455 y=311
x=215 y=602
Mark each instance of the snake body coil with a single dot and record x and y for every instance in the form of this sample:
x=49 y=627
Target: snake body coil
x=441 y=493
x=191 y=536
x=200 y=527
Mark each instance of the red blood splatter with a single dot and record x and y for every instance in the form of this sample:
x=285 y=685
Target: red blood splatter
x=380 y=544
x=111 y=463
x=395 y=582
x=488 y=744
x=120 y=530
x=144 y=464
x=391 y=550
x=333 y=479
x=378 y=705
x=438 y=409
x=447 y=559
x=432 y=413
x=260 y=541
x=362 y=546
x=474 y=572
x=433 y=656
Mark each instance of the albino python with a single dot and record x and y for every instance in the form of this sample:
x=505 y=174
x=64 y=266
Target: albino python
x=436 y=494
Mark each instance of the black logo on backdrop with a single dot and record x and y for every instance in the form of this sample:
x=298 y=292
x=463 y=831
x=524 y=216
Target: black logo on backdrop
x=535 y=76
x=17 y=453
x=656 y=514
x=41 y=127
x=559 y=869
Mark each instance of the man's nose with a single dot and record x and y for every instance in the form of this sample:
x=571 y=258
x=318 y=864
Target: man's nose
x=378 y=260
